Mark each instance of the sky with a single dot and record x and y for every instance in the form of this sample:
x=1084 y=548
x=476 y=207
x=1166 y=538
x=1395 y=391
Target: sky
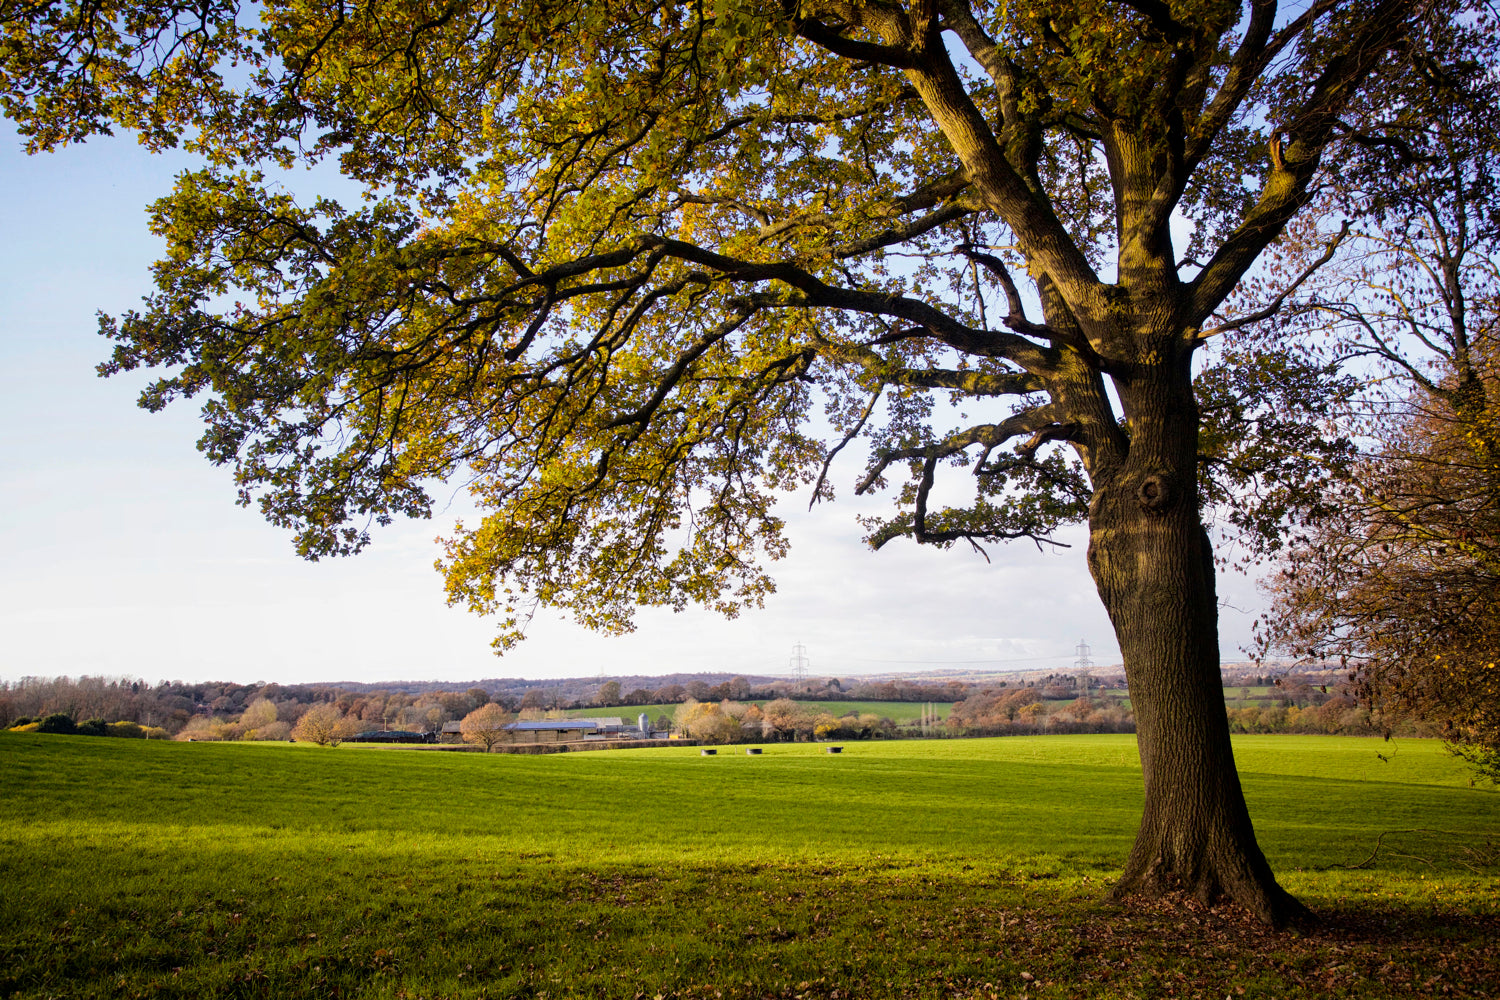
x=124 y=553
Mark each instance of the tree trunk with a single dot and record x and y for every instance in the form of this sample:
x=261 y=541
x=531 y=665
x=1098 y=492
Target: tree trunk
x=1153 y=565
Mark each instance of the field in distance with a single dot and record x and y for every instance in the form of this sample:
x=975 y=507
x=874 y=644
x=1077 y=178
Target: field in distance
x=900 y=712
x=953 y=868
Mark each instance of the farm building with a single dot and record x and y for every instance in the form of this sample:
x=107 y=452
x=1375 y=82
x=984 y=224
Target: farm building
x=393 y=736
x=564 y=730
x=570 y=730
x=553 y=730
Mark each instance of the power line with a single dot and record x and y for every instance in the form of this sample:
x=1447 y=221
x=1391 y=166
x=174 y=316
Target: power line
x=1084 y=666
x=1020 y=659
x=799 y=663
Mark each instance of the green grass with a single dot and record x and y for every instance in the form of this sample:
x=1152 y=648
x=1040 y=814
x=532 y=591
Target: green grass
x=898 y=712
x=626 y=712
x=943 y=868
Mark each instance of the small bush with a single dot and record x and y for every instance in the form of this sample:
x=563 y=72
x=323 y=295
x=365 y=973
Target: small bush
x=93 y=727
x=129 y=730
x=210 y=728
x=270 y=731
x=57 y=722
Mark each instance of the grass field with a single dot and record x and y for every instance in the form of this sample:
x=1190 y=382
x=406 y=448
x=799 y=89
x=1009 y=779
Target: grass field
x=899 y=712
x=955 y=868
x=626 y=712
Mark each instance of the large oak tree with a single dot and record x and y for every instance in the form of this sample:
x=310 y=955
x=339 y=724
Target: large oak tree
x=635 y=269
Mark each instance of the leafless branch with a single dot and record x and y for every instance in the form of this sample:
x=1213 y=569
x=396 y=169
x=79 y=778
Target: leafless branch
x=853 y=432
x=1275 y=304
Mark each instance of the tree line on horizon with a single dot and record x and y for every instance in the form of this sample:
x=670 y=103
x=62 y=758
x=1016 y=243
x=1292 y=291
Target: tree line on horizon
x=269 y=710
x=1055 y=704
x=174 y=704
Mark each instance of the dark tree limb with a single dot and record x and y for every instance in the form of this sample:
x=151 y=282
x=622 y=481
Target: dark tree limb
x=990 y=436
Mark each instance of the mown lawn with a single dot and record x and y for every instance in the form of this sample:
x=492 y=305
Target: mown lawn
x=968 y=868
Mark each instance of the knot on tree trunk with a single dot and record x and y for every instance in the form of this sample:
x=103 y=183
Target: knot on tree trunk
x=1155 y=494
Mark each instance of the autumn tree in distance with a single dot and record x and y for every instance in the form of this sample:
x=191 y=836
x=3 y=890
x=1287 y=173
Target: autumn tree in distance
x=324 y=725
x=487 y=726
x=619 y=263
x=1399 y=577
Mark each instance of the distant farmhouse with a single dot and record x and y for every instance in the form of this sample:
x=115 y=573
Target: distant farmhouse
x=392 y=736
x=567 y=730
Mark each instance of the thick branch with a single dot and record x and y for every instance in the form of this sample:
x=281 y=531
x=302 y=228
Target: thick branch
x=1004 y=191
x=1052 y=432
x=888 y=372
x=927 y=196
x=1016 y=319
x=903 y=231
x=960 y=19
x=1256 y=51
x=823 y=35
x=817 y=293
x=990 y=436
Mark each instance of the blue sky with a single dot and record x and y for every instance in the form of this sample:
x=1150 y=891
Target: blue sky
x=125 y=554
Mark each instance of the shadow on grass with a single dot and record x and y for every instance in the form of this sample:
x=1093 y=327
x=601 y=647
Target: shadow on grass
x=530 y=929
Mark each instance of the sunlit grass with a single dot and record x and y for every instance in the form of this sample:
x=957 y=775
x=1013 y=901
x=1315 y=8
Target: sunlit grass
x=896 y=868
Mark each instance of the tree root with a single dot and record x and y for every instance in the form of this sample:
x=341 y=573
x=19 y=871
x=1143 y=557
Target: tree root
x=1268 y=904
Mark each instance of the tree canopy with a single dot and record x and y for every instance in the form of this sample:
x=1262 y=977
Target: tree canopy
x=608 y=250
x=634 y=270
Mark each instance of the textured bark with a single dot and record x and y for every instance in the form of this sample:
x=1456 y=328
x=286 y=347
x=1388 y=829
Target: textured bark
x=1153 y=565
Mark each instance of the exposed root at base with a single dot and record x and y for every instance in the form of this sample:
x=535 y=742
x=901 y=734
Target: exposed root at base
x=1270 y=905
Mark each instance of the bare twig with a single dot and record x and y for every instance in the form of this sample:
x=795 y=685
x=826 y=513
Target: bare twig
x=858 y=426
x=1378 y=841
x=1275 y=305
